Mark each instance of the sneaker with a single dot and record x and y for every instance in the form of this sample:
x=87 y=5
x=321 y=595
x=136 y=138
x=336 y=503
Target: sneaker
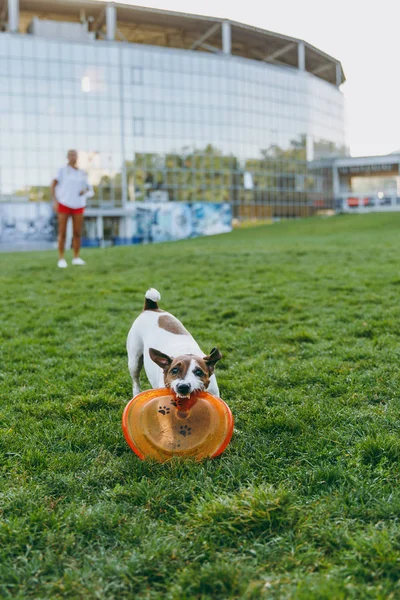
x=62 y=263
x=78 y=261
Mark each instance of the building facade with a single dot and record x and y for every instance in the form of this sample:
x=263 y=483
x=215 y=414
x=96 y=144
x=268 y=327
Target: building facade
x=165 y=106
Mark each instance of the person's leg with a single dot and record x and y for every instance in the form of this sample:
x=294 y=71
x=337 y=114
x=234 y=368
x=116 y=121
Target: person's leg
x=62 y=231
x=77 y=221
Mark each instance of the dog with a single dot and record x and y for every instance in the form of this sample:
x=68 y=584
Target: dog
x=171 y=356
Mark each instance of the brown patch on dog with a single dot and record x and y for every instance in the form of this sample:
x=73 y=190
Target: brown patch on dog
x=169 y=323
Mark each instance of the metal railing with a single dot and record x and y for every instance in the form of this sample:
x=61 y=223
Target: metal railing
x=364 y=203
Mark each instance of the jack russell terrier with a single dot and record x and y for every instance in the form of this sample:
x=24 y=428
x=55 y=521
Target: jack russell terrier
x=171 y=357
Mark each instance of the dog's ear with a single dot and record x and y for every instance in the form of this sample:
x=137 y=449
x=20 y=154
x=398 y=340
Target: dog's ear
x=212 y=359
x=162 y=360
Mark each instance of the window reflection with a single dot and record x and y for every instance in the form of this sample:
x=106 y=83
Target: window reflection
x=194 y=126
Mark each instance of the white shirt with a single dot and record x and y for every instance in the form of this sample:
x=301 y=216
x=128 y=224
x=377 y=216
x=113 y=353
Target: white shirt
x=70 y=182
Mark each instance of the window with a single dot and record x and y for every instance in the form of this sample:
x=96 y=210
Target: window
x=137 y=75
x=138 y=126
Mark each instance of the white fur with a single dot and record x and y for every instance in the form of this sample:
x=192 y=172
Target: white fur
x=144 y=334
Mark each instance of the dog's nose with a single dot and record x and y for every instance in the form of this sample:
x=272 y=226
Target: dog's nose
x=183 y=388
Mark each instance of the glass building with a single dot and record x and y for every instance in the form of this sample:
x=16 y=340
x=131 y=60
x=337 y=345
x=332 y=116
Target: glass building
x=163 y=105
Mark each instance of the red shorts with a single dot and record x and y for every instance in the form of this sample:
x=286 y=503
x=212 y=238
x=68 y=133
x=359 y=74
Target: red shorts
x=66 y=210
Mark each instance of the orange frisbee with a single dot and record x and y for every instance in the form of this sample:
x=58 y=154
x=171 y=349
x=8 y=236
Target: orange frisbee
x=158 y=425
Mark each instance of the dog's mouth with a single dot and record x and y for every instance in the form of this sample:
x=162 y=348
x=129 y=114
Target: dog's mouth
x=189 y=394
x=184 y=394
x=179 y=395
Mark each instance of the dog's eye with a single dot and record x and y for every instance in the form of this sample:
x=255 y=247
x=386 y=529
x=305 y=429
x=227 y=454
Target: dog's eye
x=198 y=372
x=174 y=371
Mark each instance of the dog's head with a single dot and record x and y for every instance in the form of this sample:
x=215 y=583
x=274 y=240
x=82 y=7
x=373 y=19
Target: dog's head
x=187 y=373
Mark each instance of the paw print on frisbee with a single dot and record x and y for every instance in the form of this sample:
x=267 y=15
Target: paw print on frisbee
x=158 y=425
x=185 y=430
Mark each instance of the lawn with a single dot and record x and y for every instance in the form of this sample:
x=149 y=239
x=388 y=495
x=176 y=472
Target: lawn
x=304 y=503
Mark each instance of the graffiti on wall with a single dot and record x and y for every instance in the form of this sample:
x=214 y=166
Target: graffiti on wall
x=30 y=225
x=167 y=221
x=26 y=222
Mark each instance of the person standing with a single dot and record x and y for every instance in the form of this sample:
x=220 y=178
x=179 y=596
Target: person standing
x=70 y=189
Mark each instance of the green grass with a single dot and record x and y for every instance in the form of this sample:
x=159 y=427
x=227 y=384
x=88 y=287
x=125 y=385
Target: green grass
x=304 y=503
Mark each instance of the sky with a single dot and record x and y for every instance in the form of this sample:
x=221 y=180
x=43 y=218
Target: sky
x=363 y=34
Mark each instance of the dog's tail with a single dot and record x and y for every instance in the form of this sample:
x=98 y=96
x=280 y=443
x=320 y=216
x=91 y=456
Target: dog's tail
x=151 y=298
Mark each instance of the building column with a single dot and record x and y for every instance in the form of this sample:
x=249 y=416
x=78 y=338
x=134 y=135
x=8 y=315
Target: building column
x=129 y=231
x=226 y=37
x=99 y=228
x=301 y=56
x=13 y=16
x=91 y=228
x=126 y=226
x=111 y=22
